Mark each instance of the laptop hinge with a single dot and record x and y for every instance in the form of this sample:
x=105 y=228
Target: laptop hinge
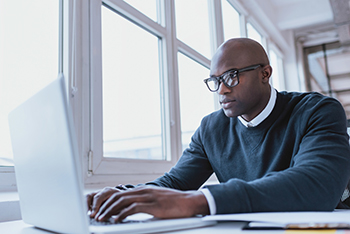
x=90 y=172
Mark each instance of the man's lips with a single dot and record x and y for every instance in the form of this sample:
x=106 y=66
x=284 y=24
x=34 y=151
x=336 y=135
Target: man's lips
x=226 y=103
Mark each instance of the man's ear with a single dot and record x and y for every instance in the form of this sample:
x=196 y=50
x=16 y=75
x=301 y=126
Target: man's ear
x=266 y=72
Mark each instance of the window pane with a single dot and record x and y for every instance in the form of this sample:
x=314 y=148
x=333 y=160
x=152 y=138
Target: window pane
x=230 y=20
x=147 y=7
x=276 y=74
x=28 y=57
x=196 y=100
x=253 y=33
x=192 y=24
x=131 y=90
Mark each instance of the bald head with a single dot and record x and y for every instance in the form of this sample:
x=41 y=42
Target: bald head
x=238 y=53
x=252 y=92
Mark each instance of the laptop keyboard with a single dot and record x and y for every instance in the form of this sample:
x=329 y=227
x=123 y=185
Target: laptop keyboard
x=95 y=222
x=111 y=222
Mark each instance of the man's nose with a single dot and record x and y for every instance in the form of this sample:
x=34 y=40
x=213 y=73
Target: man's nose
x=223 y=89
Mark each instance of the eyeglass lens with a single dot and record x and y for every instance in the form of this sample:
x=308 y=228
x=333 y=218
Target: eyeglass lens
x=229 y=79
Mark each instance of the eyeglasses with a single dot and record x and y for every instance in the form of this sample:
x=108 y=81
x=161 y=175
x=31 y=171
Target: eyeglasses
x=230 y=78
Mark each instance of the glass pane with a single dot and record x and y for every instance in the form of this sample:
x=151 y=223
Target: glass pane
x=131 y=90
x=231 y=21
x=196 y=100
x=28 y=57
x=147 y=7
x=192 y=24
x=275 y=70
x=253 y=33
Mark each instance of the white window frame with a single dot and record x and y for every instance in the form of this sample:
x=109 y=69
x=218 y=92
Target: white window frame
x=108 y=171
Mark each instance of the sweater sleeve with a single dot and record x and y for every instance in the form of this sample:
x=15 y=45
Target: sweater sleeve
x=192 y=169
x=316 y=178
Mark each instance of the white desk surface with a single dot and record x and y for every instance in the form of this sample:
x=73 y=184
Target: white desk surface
x=19 y=227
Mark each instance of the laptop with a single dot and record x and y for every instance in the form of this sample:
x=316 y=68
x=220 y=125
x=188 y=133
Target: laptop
x=49 y=175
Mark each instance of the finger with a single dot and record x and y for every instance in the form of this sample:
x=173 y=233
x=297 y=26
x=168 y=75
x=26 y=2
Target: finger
x=134 y=209
x=106 y=205
x=116 y=203
x=119 y=202
x=99 y=198
x=116 y=196
x=89 y=200
x=121 y=187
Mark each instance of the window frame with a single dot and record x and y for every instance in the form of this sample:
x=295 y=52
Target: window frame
x=115 y=168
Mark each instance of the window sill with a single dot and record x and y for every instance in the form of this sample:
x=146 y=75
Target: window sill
x=9 y=196
x=9 y=206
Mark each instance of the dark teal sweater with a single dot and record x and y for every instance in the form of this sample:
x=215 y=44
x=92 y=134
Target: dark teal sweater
x=298 y=158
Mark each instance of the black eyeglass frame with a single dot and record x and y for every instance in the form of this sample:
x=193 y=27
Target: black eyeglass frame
x=220 y=79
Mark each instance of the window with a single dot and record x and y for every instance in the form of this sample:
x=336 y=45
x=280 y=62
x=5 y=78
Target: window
x=195 y=99
x=29 y=58
x=192 y=25
x=142 y=84
x=132 y=120
x=128 y=126
x=231 y=22
x=149 y=7
x=253 y=33
x=277 y=78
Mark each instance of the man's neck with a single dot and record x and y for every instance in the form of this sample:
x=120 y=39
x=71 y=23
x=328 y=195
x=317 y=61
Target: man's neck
x=264 y=113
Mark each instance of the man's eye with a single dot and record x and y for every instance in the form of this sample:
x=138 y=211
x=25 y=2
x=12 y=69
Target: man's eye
x=232 y=75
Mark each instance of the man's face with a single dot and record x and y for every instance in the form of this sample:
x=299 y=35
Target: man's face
x=245 y=98
x=248 y=98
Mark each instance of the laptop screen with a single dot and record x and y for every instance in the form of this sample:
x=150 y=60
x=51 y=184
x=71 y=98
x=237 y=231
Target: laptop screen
x=46 y=162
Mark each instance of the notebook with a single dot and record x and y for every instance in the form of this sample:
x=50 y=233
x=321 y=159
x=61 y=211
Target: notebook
x=48 y=170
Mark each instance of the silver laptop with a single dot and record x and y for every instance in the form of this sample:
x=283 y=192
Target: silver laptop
x=48 y=170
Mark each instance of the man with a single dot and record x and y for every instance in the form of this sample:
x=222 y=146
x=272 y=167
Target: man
x=271 y=151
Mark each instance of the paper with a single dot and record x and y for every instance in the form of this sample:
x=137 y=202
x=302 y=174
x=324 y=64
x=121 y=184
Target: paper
x=290 y=220
x=311 y=232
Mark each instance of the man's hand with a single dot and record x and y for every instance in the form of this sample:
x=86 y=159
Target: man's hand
x=157 y=201
x=96 y=199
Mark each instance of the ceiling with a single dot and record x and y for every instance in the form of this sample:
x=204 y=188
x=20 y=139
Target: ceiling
x=295 y=14
x=325 y=20
x=317 y=22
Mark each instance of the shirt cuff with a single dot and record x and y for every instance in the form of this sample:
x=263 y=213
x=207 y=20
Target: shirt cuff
x=210 y=200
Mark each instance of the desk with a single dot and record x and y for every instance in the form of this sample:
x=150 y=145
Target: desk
x=19 y=227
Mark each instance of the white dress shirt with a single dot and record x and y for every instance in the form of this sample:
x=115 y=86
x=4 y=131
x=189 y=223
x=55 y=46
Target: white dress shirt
x=253 y=123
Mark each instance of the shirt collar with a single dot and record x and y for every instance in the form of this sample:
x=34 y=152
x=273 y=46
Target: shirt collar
x=264 y=114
